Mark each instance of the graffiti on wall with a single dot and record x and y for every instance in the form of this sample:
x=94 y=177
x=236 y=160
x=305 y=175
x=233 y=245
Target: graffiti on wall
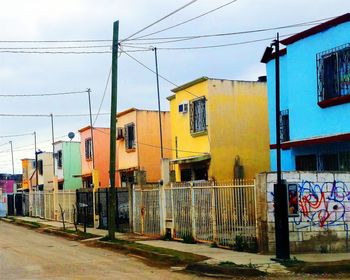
x=325 y=205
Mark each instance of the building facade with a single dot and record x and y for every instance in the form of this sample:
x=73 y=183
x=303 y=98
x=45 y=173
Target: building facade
x=28 y=174
x=315 y=98
x=99 y=167
x=68 y=165
x=138 y=145
x=45 y=171
x=219 y=130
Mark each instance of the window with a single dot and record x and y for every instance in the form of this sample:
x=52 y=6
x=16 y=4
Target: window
x=40 y=167
x=198 y=116
x=59 y=159
x=88 y=148
x=284 y=125
x=329 y=162
x=333 y=72
x=129 y=136
x=306 y=163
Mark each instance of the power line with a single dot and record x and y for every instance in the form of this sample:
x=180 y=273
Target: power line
x=15 y=135
x=161 y=76
x=60 y=52
x=159 y=20
x=57 y=41
x=191 y=37
x=42 y=94
x=222 y=45
x=54 y=48
x=104 y=94
x=189 y=20
x=45 y=115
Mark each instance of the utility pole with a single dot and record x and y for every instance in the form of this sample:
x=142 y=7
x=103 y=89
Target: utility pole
x=36 y=163
x=159 y=112
x=13 y=165
x=91 y=130
x=53 y=146
x=280 y=189
x=112 y=156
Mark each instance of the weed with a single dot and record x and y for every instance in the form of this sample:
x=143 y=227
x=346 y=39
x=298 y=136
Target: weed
x=324 y=249
x=188 y=238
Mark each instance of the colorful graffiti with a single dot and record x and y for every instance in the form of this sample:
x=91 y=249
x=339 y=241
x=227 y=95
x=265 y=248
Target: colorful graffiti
x=324 y=205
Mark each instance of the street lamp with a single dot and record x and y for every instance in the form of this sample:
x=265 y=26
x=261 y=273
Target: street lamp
x=280 y=189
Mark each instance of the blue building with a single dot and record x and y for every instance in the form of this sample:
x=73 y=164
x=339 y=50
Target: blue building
x=315 y=98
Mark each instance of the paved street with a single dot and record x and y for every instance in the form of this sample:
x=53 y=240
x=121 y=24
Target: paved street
x=26 y=254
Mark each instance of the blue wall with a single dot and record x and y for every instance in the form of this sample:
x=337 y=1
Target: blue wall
x=299 y=91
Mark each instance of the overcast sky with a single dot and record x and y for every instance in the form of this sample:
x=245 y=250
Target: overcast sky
x=86 y=19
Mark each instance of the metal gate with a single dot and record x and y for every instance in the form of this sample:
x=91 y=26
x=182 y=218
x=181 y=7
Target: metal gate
x=102 y=202
x=85 y=207
x=19 y=204
x=10 y=204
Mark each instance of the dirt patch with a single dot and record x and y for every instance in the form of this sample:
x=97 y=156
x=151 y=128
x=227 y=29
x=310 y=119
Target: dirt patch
x=224 y=270
x=321 y=267
x=155 y=256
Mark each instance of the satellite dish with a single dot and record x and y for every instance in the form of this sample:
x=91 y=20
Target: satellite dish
x=71 y=135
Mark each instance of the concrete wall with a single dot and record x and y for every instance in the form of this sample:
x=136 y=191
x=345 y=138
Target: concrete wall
x=323 y=220
x=238 y=126
x=47 y=177
x=149 y=142
x=299 y=90
x=71 y=165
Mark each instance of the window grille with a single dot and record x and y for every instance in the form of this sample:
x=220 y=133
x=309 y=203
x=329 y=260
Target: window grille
x=59 y=159
x=88 y=148
x=198 y=115
x=333 y=73
x=284 y=125
x=129 y=134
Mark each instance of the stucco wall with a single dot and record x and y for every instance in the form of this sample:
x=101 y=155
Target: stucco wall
x=238 y=126
x=299 y=90
x=323 y=220
x=149 y=142
x=71 y=165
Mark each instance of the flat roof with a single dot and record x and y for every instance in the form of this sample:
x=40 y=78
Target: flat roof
x=316 y=29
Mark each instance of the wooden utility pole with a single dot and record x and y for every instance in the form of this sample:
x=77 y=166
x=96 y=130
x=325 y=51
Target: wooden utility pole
x=113 y=130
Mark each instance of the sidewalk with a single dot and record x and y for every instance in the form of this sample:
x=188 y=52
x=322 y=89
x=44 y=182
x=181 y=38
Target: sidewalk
x=215 y=255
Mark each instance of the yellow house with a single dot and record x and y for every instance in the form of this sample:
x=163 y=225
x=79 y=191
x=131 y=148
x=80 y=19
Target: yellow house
x=219 y=129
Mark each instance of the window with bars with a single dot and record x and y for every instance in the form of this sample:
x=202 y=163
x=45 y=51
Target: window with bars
x=40 y=167
x=198 y=115
x=333 y=73
x=284 y=125
x=59 y=159
x=326 y=161
x=88 y=148
x=129 y=135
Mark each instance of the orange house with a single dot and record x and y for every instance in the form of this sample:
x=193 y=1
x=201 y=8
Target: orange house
x=100 y=152
x=138 y=144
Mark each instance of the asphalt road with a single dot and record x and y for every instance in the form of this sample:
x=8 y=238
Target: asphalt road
x=26 y=254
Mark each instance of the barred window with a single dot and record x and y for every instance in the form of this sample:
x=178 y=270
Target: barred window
x=198 y=115
x=129 y=134
x=333 y=73
x=88 y=148
x=59 y=159
x=284 y=125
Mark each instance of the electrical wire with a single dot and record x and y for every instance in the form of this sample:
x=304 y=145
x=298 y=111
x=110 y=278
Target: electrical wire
x=45 y=115
x=42 y=94
x=222 y=45
x=187 y=21
x=159 y=20
x=59 y=47
x=189 y=37
x=161 y=76
x=103 y=97
x=60 y=52
x=15 y=135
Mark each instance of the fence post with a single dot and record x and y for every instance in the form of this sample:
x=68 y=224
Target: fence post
x=172 y=210
x=142 y=211
x=193 y=218
x=131 y=208
x=213 y=213
x=162 y=210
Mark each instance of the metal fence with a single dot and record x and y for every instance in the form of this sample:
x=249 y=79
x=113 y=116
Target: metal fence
x=146 y=210
x=208 y=212
x=46 y=205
